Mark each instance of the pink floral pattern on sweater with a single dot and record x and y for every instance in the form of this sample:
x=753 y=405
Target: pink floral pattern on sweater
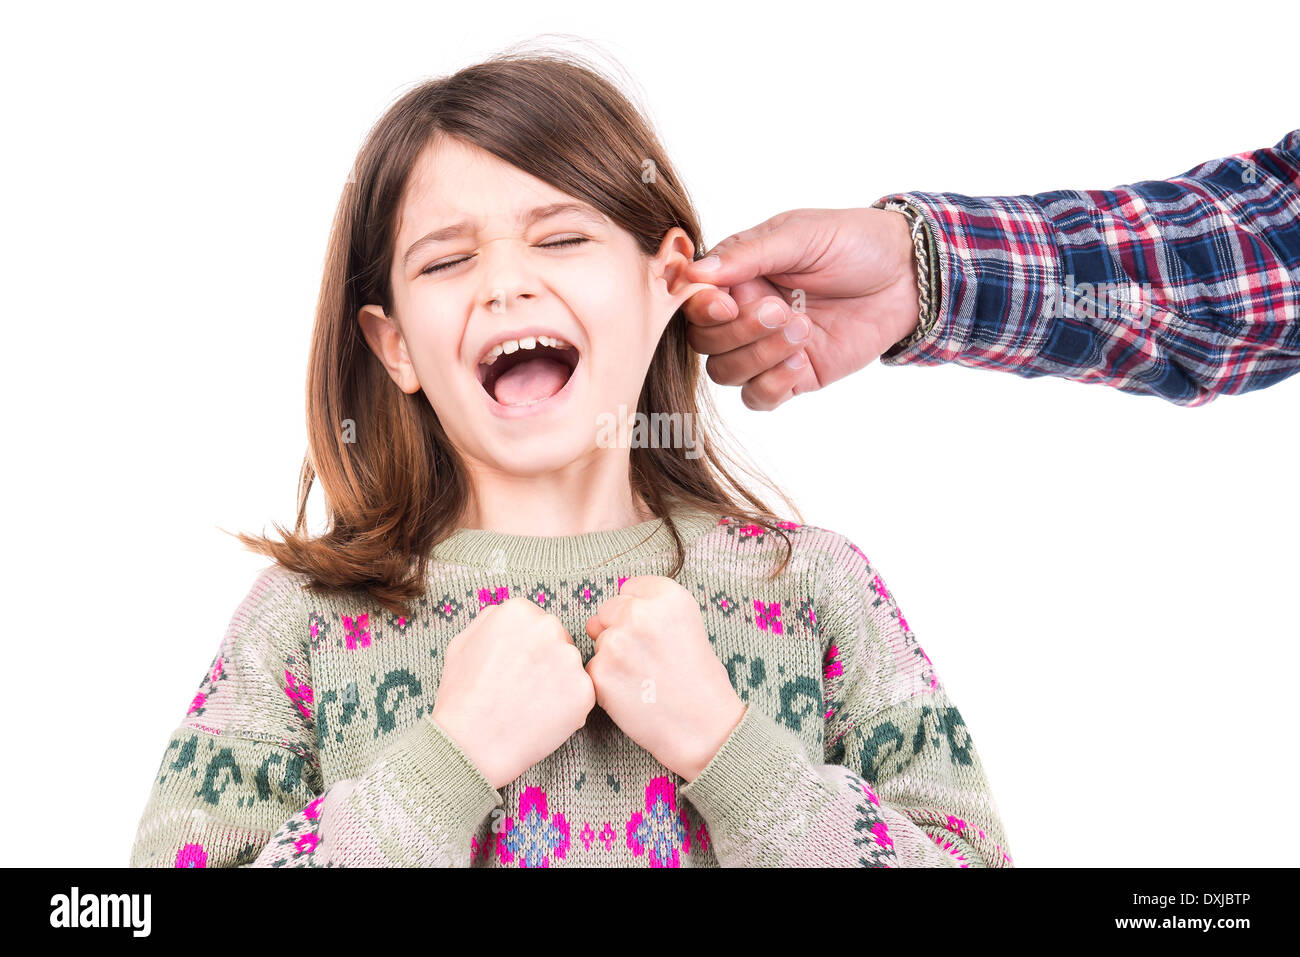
x=661 y=831
x=536 y=837
x=356 y=631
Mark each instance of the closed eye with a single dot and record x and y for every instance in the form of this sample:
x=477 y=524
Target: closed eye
x=565 y=242
x=439 y=267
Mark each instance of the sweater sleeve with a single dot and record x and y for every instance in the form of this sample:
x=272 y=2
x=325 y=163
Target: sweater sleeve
x=1186 y=288
x=899 y=783
x=240 y=784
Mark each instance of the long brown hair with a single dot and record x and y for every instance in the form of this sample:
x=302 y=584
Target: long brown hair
x=394 y=484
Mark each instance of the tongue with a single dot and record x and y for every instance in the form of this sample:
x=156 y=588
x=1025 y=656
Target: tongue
x=531 y=381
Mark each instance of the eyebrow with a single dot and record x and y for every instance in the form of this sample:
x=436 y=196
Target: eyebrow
x=526 y=218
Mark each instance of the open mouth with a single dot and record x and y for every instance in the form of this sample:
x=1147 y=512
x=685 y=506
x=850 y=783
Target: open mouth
x=527 y=375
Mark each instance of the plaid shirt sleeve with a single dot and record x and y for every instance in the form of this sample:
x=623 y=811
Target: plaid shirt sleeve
x=1187 y=289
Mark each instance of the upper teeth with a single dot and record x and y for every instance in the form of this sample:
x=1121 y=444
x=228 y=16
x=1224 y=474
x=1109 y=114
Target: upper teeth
x=527 y=342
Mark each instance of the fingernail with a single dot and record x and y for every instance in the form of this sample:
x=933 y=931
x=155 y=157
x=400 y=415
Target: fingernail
x=795 y=361
x=771 y=315
x=719 y=311
x=797 y=330
x=708 y=264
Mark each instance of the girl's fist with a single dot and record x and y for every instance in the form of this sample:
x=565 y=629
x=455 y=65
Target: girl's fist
x=657 y=676
x=513 y=689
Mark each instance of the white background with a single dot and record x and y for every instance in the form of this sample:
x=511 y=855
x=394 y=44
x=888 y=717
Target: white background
x=1106 y=583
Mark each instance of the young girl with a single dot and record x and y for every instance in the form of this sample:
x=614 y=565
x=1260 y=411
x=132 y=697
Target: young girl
x=519 y=643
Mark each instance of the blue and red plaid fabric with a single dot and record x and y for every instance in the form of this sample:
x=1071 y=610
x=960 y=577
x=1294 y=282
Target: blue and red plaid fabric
x=1187 y=288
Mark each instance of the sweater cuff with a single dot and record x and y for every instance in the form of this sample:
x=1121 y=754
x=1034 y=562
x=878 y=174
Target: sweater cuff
x=736 y=788
x=431 y=763
x=998 y=265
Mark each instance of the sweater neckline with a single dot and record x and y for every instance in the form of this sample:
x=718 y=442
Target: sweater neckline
x=499 y=550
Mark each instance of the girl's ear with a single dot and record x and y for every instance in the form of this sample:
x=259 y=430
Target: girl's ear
x=386 y=342
x=667 y=274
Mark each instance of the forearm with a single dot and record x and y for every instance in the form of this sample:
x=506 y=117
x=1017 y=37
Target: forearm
x=1186 y=289
x=767 y=804
x=415 y=805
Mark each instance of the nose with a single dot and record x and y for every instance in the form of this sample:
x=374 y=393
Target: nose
x=501 y=298
x=507 y=278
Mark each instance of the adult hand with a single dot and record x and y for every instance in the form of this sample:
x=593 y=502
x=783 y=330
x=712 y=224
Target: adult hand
x=658 y=678
x=803 y=299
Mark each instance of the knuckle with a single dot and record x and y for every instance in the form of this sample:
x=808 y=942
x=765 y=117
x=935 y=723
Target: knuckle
x=719 y=370
x=764 y=390
x=638 y=614
x=611 y=644
x=700 y=339
x=671 y=586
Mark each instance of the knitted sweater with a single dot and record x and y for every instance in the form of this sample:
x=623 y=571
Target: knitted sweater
x=310 y=741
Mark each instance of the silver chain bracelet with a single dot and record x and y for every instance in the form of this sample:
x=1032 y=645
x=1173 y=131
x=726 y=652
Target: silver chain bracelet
x=923 y=246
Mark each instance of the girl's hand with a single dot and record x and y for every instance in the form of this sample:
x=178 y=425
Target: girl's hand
x=658 y=678
x=512 y=690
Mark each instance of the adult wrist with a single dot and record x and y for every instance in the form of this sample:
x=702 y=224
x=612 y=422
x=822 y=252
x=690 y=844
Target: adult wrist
x=924 y=258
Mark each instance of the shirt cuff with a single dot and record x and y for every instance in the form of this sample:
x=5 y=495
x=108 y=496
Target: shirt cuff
x=432 y=763
x=735 y=789
x=998 y=263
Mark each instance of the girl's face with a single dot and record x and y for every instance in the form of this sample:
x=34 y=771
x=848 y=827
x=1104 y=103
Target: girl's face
x=487 y=257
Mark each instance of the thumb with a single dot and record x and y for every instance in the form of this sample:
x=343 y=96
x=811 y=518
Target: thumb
x=765 y=250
